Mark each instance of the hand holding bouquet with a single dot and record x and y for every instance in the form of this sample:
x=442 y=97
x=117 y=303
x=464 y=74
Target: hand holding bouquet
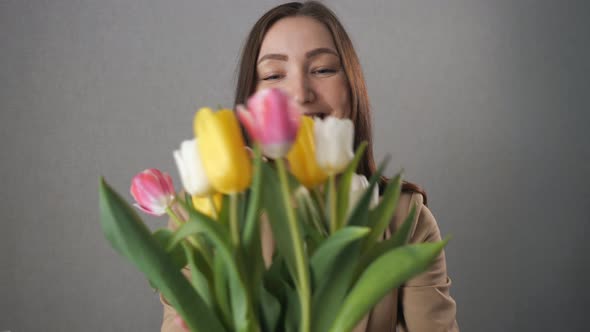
x=329 y=267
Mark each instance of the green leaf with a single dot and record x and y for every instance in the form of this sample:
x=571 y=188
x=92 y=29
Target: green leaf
x=243 y=202
x=333 y=266
x=399 y=238
x=380 y=217
x=221 y=291
x=201 y=274
x=176 y=253
x=387 y=272
x=133 y=240
x=223 y=217
x=199 y=223
x=251 y=230
x=329 y=296
x=292 y=310
x=239 y=299
x=269 y=308
x=311 y=237
x=345 y=181
x=188 y=200
x=311 y=234
x=277 y=215
x=312 y=212
x=323 y=260
x=277 y=281
x=360 y=214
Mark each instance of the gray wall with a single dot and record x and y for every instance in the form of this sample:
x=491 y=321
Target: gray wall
x=484 y=103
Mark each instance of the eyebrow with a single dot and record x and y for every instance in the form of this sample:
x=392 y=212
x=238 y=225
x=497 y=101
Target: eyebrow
x=310 y=54
x=319 y=51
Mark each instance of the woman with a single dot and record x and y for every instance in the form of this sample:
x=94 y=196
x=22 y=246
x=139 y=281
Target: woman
x=304 y=50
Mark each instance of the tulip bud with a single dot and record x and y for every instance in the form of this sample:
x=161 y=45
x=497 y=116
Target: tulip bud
x=221 y=147
x=192 y=174
x=271 y=119
x=302 y=156
x=181 y=323
x=334 y=140
x=358 y=185
x=153 y=190
x=203 y=204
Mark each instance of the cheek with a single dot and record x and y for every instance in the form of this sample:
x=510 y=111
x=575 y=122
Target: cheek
x=338 y=97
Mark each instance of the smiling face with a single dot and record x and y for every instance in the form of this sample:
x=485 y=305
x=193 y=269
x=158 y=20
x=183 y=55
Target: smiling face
x=298 y=55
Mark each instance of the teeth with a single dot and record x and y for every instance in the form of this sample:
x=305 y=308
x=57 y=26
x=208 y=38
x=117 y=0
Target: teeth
x=317 y=115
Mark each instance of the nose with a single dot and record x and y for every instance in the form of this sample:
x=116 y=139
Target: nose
x=299 y=87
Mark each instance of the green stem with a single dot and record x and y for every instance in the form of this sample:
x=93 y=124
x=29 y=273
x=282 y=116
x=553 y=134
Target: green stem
x=300 y=258
x=174 y=216
x=234 y=227
x=333 y=207
x=191 y=239
x=319 y=196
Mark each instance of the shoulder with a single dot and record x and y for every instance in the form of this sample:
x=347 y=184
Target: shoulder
x=424 y=226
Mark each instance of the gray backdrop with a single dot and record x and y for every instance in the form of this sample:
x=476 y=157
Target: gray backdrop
x=484 y=103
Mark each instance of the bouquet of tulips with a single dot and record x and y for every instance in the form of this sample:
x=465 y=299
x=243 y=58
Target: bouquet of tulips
x=329 y=267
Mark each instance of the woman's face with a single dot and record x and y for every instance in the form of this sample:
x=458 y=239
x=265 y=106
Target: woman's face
x=298 y=56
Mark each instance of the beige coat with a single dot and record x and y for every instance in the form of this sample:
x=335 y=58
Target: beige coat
x=423 y=304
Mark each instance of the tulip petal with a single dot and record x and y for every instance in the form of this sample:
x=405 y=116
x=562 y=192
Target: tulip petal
x=181 y=165
x=276 y=150
x=334 y=140
x=146 y=210
x=221 y=146
x=272 y=120
x=302 y=156
x=247 y=119
x=153 y=190
x=192 y=174
x=167 y=184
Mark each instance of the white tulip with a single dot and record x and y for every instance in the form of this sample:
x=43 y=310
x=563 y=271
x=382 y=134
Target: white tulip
x=192 y=174
x=358 y=185
x=334 y=139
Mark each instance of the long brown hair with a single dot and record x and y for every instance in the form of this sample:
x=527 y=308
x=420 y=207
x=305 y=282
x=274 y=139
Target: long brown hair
x=360 y=112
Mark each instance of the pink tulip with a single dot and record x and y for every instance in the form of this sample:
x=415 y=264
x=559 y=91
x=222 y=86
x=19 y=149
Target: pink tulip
x=181 y=323
x=272 y=119
x=153 y=190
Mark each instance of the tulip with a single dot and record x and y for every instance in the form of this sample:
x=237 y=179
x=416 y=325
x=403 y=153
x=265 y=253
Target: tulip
x=181 y=323
x=358 y=185
x=153 y=190
x=221 y=147
x=190 y=167
x=334 y=139
x=302 y=156
x=271 y=119
x=205 y=204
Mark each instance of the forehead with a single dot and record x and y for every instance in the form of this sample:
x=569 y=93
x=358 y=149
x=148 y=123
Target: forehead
x=295 y=36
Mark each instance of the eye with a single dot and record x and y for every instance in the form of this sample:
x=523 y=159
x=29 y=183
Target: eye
x=272 y=77
x=324 y=71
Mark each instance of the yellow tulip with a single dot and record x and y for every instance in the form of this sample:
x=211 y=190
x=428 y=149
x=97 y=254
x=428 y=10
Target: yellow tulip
x=203 y=204
x=302 y=156
x=222 y=150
